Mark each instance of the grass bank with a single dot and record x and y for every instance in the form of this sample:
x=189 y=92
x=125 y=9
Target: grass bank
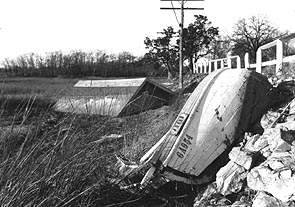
x=50 y=158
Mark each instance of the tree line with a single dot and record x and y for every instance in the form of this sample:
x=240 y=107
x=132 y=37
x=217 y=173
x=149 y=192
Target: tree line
x=200 y=39
x=80 y=64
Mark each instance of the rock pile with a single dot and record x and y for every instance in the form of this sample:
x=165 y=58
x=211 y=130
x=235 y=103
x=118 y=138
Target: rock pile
x=261 y=170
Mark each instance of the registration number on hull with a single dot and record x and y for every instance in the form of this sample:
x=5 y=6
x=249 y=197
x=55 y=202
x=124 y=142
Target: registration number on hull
x=184 y=145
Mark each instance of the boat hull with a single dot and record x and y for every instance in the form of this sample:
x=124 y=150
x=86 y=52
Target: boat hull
x=215 y=115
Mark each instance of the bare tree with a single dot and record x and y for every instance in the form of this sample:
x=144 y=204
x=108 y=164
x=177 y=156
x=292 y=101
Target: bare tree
x=221 y=47
x=249 y=34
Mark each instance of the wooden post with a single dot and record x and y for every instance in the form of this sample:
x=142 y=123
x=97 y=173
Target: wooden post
x=238 y=62
x=210 y=65
x=195 y=68
x=279 y=51
x=246 y=60
x=229 y=62
x=215 y=65
x=258 y=60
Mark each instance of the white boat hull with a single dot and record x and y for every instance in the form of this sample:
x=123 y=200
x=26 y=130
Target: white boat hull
x=207 y=125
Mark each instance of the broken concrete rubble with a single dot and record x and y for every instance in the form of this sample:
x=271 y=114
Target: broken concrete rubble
x=241 y=157
x=281 y=186
x=292 y=108
x=274 y=178
x=203 y=199
x=229 y=179
x=255 y=143
x=240 y=204
x=264 y=200
x=276 y=143
x=275 y=175
x=288 y=136
x=270 y=180
x=269 y=118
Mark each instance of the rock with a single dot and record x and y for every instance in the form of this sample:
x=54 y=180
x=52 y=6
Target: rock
x=223 y=202
x=264 y=200
x=255 y=143
x=286 y=158
x=288 y=136
x=266 y=153
x=262 y=178
x=269 y=118
x=203 y=199
x=291 y=118
x=276 y=143
x=282 y=155
x=229 y=179
x=289 y=125
x=292 y=107
x=240 y=204
x=241 y=158
x=275 y=164
x=286 y=174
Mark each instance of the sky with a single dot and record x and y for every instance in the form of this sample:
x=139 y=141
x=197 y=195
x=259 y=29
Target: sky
x=41 y=26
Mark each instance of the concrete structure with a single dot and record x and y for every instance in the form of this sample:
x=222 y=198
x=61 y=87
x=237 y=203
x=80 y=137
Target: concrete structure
x=117 y=97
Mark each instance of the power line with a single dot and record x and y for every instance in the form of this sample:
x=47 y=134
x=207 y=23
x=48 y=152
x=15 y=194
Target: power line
x=187 y=8
x=174 y=12
x=182 y=2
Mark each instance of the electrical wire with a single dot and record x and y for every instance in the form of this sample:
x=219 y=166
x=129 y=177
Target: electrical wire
x=174 y=12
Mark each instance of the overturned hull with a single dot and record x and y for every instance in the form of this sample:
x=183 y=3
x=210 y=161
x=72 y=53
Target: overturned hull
x=217 y=113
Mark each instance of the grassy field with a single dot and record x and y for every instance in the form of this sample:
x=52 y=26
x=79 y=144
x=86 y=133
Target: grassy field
x=36 y=94
x=51 y=158
x=40 y=87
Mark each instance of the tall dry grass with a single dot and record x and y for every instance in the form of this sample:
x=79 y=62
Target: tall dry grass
x=54 y=159
x=49 y=158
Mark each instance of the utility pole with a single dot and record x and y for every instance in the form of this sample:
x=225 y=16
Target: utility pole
x=182 y=8
x=181 y=47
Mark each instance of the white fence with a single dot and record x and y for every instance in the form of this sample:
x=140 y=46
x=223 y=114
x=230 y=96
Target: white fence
x=280 y=59
x=209 y=66
x=206 y=67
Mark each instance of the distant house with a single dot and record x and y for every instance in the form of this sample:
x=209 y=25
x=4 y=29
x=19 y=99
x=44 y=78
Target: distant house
x=117 y=97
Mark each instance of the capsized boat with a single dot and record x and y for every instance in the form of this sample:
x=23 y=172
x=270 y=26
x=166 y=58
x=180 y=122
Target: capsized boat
x=222 y=107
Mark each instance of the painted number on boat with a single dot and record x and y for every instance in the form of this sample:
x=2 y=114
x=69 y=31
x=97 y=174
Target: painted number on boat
x=183 y=147
x=179 y=123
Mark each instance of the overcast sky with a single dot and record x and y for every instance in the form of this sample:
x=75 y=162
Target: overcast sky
x=115 y=25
